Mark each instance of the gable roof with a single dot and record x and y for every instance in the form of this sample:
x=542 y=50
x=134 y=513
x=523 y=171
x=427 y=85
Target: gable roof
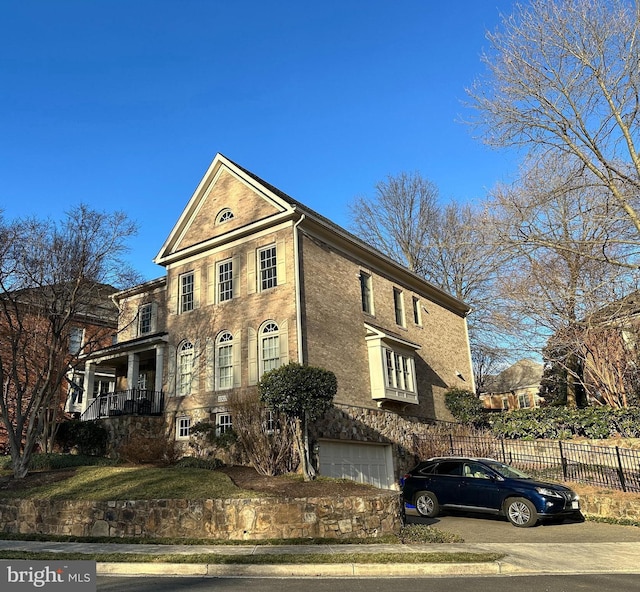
x=287 y=208
x=524 y=373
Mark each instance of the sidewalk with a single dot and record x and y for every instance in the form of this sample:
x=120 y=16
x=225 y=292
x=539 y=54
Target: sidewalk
x=520 y=559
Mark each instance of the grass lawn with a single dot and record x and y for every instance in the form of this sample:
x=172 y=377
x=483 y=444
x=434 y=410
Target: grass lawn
x=135 y=482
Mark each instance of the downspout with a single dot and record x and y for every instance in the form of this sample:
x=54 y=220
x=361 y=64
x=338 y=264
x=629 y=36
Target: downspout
x=296 y=254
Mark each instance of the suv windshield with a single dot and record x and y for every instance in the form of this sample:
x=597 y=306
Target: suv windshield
x=506 y=471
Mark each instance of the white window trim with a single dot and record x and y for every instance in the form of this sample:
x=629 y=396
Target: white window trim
x=224 y=423
x=383 y=347
x=77 y=347
x=417 y=310
x=153 y=317
x=181 y=386
x=398 y=307
x=218 y=283
x=181 y=293
x=224 y=215
x=366 y=283
x=183 y=427
x=218 y=346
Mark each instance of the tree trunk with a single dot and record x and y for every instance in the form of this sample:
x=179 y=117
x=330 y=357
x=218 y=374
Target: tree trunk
x=302 y=441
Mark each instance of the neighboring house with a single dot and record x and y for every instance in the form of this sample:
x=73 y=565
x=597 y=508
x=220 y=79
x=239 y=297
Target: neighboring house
x=92 y=327
x=514 y=388
x=254 y=279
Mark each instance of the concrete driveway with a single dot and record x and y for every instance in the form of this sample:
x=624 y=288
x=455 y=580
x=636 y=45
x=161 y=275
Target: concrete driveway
x=478 y=528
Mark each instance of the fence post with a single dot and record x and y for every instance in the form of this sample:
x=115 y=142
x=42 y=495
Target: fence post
x=504 y=454
x=451 y=444
x=563 y=461
x=620 y=471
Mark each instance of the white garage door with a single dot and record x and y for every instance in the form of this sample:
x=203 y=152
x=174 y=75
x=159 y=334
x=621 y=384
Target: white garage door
x=364 y=463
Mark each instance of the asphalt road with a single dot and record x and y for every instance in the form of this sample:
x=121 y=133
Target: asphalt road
x=555 y=583
x=490 y=529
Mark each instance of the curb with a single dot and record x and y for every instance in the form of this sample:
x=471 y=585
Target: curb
x=337 y=570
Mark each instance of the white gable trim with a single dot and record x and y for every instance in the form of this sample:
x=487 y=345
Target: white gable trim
x=199 y=196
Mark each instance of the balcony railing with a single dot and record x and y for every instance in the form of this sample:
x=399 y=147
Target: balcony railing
x=130 y=402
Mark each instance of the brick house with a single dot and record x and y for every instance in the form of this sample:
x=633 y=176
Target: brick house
x=516 y=387
x=255 y=279
x=92 y=326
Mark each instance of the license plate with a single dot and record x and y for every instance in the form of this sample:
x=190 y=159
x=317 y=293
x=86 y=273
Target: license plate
x=575 y=505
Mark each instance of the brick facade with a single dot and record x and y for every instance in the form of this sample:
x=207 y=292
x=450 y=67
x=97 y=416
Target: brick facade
x=316 y=306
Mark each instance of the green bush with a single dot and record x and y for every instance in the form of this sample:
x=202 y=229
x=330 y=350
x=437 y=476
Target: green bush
x=193 y=462
x=88 y=437
x=47 y=462
x=465 y=406
x=561 y=423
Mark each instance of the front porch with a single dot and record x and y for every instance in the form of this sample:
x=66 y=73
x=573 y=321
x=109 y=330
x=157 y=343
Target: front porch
x=128 y=402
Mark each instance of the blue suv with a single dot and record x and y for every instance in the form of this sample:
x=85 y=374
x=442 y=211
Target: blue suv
x=484 y=485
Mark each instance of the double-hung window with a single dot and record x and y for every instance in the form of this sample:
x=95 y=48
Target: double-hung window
x=187 y=289
x=224 y=275
x=398 y=305
x=185 y=368
x=224 y=363
x=183 y=428
x=145 y=319
x=223 y=423
x=366 y=293
x=268 y=262
x=270 y=347
x=76 y=336
x=417 y=315
x=399 y=371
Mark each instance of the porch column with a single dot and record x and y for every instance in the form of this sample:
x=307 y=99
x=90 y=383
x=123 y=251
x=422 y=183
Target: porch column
x=133 y=371
x=159 y=367
x=87 y=384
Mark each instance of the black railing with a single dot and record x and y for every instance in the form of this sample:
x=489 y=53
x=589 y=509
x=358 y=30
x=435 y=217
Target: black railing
x=613 y=467
x=131 y=402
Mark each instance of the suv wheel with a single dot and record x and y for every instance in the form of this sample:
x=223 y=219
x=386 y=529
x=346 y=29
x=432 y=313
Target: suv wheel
x=520 y=512
x=427 y=504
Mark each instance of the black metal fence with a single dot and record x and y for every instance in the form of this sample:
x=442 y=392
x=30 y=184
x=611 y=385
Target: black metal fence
x=613 y=467
x=129 y=402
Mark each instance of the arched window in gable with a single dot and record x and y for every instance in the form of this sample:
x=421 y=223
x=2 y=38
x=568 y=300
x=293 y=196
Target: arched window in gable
x=224 y=216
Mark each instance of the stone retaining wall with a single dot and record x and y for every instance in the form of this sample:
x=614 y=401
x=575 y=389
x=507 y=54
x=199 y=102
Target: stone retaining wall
x=229 y=519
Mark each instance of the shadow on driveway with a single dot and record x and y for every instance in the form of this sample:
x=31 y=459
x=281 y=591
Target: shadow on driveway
x=479 y=528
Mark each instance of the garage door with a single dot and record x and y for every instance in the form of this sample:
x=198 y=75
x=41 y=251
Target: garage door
x=364 y=463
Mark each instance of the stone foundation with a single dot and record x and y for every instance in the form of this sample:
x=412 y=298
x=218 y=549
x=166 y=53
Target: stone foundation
x=229 y=519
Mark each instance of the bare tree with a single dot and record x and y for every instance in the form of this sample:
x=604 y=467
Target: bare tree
x=398 y=219
x=446 y=244
x=563 y=78
x=51 y=274
x=553 y=222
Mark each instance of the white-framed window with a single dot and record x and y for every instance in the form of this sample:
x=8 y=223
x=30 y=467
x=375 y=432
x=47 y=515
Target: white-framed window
x=271 y=422
x=187 y=291
x=185 y=368
x=523 y=401
x=268 y=266
x=505 y=403
x=224 y=279
x=417 y=313
x=400 y=373
x=398 y=306
x=183 y=428
x=224 y=216
x=269 y=347
x=102 y=387
x=224 y=361
x=76 y=338
x=366 y=292
x=223 y=423
x=147 y=318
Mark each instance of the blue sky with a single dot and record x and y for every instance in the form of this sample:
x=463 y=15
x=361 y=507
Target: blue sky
x=122 y=104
